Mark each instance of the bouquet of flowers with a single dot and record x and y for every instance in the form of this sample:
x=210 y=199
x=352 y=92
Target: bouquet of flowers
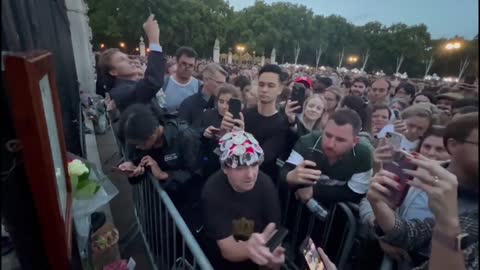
x=83 y=187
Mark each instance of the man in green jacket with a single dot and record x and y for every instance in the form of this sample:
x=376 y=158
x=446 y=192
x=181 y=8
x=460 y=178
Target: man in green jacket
x=332 y=166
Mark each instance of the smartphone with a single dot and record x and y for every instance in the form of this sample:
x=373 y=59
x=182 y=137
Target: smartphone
x=396 y=113
x=394 y=139
x=235 y=107
x=312 y=259
x=315 y=156
x=298 y=94
x=116 y=169
x=277 y=239
x=399 y=163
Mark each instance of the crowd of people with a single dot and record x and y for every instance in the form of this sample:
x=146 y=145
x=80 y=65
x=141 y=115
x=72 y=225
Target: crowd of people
x=340 y=143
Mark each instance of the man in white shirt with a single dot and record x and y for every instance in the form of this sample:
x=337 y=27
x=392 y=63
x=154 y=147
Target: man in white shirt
x=182 y=84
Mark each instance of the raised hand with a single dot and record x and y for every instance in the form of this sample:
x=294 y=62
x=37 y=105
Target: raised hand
x=441 y=187
x=258 y=252
x=152 y=30
x=290 y=110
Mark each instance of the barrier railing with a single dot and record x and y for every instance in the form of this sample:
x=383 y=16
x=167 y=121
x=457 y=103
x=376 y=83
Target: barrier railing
x=169 y=242
x=301 y=222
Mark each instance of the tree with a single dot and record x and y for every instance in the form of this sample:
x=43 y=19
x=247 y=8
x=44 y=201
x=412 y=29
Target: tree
x=262 y=26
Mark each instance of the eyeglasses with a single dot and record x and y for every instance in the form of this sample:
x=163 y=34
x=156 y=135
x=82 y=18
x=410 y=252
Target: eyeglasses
x=186 y=65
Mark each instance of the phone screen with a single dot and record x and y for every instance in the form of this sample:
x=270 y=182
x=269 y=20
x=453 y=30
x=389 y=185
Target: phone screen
x=234 y=107
x=396 y=166
x=394 y=139
x=313 y=261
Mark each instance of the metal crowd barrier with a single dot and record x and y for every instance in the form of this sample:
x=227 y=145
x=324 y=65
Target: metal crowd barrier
x=168 y=240
x=300 y=222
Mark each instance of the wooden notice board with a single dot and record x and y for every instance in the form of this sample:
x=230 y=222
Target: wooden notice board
x=33 y=95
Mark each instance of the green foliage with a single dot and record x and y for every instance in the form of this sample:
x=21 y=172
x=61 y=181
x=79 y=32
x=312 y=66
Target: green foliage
x=262 y=26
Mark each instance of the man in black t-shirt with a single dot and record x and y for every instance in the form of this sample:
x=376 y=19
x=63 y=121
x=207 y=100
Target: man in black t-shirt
x=241 y=207
x=269 y=126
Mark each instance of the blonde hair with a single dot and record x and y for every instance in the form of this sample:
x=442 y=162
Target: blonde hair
x=210 y=69
x=423 y=110
x=318 y=122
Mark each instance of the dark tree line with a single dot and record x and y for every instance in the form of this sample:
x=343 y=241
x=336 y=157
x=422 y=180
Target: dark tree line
x=281 y=25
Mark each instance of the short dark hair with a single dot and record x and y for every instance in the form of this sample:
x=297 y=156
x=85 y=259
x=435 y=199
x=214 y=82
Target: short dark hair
x=327 y=81
x=408 y=87
x=272 y=68
x=361 y=80
x=343 y=117
x=379 y=107
x=187 y=51
x=137 y=123
x=241 y=82
x=359 y=105
x=435 y=130
x=460 y=128
x=105 y=60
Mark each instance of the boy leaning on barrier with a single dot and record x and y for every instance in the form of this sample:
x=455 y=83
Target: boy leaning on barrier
x=241 y=207
x=167 y=148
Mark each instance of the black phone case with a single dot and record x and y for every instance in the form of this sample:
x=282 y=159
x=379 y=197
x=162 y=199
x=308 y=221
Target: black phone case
x=298 y=95
x=234 y=107
x=277 y=239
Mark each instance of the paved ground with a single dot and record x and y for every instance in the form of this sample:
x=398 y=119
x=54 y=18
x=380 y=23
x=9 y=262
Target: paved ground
x=122 y=205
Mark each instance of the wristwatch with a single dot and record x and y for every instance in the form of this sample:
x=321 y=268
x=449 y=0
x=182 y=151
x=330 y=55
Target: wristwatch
x=457 y=242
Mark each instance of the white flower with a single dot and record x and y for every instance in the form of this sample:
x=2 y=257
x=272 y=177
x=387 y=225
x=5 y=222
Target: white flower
x=77 y=168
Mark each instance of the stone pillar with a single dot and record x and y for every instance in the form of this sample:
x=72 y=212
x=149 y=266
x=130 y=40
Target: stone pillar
x=229 y=61
x=216 y=51
x=142 y=47
x=273 y=57
x=81 y=36
x=262 y=63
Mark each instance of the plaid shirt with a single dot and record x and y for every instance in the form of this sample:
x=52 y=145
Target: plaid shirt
x=415 y=234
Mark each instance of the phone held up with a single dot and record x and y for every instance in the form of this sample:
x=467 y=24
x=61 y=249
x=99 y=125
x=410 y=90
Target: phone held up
x=235 y=107
x=277 y=239
x=298 y=94
x=396 y=167
x=312 y=259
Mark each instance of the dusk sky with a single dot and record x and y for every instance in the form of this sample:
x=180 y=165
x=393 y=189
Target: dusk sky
x=444 y=18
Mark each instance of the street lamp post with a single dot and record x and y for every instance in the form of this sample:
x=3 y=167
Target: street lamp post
x=352 y=59
x=451 y=47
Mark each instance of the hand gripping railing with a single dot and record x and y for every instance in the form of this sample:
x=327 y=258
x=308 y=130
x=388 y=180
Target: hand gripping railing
x=164 y=231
